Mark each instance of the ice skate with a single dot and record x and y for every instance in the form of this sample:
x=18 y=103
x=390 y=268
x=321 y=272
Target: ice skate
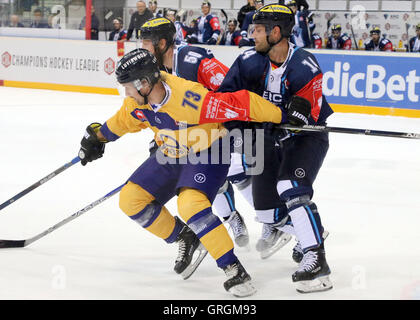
x=313 y=272
x=297 y=253
x=190 y=253
x=271 y=240
x=239 y=229
x=239 y=281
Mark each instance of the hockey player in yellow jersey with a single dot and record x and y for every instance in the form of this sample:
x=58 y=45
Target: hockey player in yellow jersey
x=186 y=119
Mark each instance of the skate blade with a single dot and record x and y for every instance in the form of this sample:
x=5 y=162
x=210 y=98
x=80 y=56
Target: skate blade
x=317 y=285
x=281 y=242
x=243 y=290
x=202 y=252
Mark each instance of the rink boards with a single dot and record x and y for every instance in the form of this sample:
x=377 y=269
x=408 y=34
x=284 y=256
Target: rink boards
x=355 y=81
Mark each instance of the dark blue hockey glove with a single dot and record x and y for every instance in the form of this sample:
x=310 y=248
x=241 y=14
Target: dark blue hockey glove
x=211 y=41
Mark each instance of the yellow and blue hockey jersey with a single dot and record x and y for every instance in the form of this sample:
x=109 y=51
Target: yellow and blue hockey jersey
x=190 y=117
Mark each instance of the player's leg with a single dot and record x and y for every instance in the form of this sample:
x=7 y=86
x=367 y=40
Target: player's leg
x=142 y=199
x=198 y=185
x=267 y=201
x=224 y=203
x=303 y=156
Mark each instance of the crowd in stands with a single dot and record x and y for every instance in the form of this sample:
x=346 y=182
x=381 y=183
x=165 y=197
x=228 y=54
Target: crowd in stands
x=206 y=29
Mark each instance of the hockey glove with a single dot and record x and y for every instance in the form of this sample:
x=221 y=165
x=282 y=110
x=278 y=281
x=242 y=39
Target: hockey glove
x=298 y=111
x=244 y=42
x=91 y=147
x=211 y=41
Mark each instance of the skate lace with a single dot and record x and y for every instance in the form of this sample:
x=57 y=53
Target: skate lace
x=181 y=250
x=236 y=224
x=298 y=247
x=231 y=270
x=309 y=261
x=267 y=231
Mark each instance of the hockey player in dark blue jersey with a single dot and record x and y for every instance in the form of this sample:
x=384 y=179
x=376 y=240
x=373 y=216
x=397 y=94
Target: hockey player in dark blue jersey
x=208 y=26
x=200 y=65
x=338 y=40
x=231 y=37
x=414 y=43
x=245 y=41
x=287 y=75
x=376 y=43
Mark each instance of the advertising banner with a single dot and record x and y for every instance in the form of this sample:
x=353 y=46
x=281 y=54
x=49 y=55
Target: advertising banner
x=377 y=80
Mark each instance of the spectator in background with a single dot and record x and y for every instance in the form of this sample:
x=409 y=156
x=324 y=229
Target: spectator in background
x=37 y=20
x=337 y=40
x=300 y=35
x=250 y=6
x=14 y=22
x=415 y=41
x=245 y=41
x=299 y=4
x=138 y=18
x=118 y=33
x=153 y=9
x=376 y=43
x=182 y=31
x=208 y=27
x=94 y=26
x=232 y=36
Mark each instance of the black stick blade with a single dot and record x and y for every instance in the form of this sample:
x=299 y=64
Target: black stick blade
x=12 y=244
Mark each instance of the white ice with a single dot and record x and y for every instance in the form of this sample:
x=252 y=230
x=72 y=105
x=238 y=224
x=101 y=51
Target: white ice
x=368 y=194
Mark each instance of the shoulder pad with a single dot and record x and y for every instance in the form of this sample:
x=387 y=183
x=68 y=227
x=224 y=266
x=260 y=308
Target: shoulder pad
x=205 y=53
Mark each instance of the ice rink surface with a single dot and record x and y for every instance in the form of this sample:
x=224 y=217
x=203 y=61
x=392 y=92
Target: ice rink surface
x=368 y=195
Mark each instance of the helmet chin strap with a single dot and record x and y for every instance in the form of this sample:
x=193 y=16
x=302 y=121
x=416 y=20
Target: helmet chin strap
x=146 y=96
x=272 y=44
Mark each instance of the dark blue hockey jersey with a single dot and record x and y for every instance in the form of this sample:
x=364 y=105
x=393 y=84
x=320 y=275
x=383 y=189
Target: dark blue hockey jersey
x=199 y=65
x=208 y=27
x=343 y=42
x=414 y=44
x=383 y=45
x=299 y=75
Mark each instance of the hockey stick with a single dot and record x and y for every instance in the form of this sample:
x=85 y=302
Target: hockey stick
x=40 y=182
x=23 y=243
x=223 y=31
x=367 y=132
x=354 y=38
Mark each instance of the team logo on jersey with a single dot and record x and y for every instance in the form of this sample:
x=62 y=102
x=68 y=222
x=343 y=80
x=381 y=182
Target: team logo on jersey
x=230 y=114
x=300 y=173
x=200 y=178
x=138 y=114
x=217 y=79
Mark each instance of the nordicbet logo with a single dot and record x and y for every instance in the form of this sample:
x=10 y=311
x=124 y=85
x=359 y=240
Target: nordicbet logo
x=373 y=84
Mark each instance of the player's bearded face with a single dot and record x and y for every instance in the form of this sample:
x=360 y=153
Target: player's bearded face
x=260 y=36
x=375 y=37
